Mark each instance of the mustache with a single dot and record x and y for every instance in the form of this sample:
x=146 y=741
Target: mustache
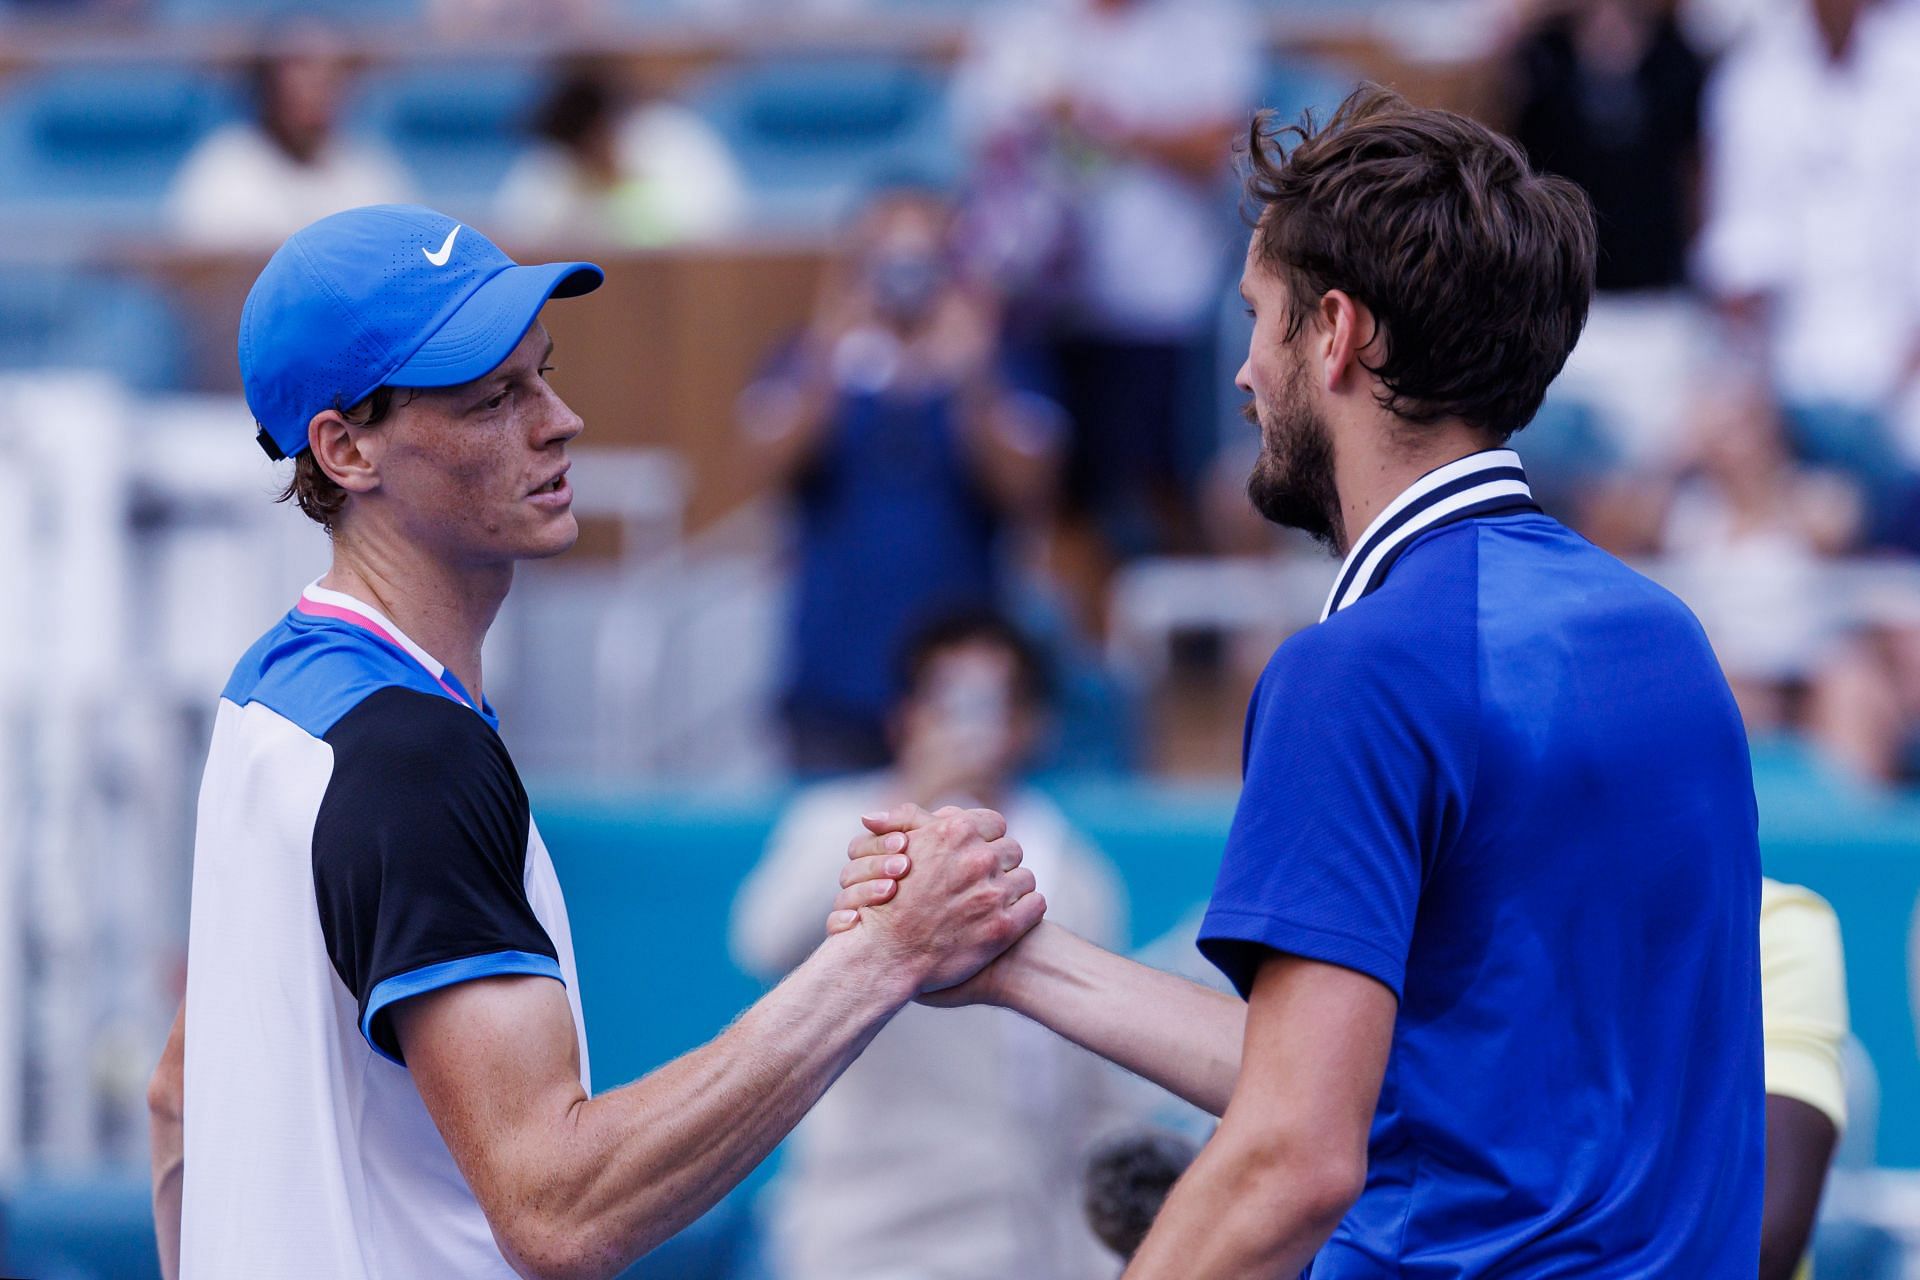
x=1251 y=412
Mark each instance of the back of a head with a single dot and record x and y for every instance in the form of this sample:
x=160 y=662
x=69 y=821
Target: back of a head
x=1127 y=1180
x=943 y=633
x=1477 y=270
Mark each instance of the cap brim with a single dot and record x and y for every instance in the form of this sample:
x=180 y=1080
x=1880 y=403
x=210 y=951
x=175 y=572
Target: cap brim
x=491 y=322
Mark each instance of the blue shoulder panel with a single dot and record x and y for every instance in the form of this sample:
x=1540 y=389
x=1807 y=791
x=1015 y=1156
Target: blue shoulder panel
x=313 y=671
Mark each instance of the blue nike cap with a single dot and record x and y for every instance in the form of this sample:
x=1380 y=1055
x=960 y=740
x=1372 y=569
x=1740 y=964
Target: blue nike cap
x=386 y=295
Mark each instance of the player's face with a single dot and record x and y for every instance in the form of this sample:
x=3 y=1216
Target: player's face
x=1292 y=481
x=478 y=471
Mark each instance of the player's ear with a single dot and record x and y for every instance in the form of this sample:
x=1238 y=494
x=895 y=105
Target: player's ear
x=336 y=447
x=1345 y=329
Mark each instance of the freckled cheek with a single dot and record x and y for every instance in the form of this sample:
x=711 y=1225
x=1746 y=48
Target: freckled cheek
x=479 y=488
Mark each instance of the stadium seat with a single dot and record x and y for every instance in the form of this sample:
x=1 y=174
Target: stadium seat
x=457 y=126
x=97 y=144
x=92 y=1227
x=255 y=12
x=55 y=318
x=100 y=1227
x=814 y=134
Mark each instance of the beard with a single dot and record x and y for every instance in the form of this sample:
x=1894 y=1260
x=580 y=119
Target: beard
x=1292 y=481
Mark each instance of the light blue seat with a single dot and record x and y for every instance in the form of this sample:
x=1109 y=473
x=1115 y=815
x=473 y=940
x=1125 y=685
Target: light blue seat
x=816 y=134
x=457 y=126
x=99 y=1226
x=96 y=1226
x=98 y=144
x=333 y=12
x=54 y=318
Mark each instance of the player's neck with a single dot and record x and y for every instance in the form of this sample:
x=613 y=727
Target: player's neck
x=1376 y=464
x=444 y=608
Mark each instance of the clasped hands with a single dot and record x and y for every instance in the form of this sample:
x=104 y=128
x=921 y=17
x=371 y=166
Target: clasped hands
x=946 y=888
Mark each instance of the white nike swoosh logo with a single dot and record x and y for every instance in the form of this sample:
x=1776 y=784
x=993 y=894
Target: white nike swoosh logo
x=446 y=250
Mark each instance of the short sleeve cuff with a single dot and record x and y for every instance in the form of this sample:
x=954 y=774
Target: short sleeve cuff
x=1810 y=1075
x=447 y=973
x=1237 y=941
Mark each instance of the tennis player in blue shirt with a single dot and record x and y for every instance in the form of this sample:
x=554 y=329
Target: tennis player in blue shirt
x=1492 y=888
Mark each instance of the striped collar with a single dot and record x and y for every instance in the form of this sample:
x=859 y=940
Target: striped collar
x=1481 y=484
x=319 y=602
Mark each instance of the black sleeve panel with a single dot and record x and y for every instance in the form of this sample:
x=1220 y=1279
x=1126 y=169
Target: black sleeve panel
x=419 y=855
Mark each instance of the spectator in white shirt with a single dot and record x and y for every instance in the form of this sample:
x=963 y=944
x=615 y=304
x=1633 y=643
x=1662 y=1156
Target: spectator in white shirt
x=1139 y=101
x=251 y=185
x=952 y=1149
x=609 y=172
x=1811 y=244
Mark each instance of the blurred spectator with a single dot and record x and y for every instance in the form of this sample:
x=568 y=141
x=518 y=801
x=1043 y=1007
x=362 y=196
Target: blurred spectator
x=1128 y=1179
x=251 y=185
x=1609 y=96
x=1810 y=242
x=1745 y=528
x=953 y=1146
x=1803 y=1003
x=1138 y=101
x=615 y=172
x=1608 y=93
x=1865 y=706
x=896 y=425
x=464 y=19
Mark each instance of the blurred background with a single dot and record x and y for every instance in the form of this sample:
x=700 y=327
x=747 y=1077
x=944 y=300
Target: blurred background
x=918 y=312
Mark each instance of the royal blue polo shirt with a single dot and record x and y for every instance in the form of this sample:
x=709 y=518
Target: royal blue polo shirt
x=1505 y=778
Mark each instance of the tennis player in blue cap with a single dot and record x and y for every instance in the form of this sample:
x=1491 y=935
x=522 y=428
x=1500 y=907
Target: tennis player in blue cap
x=380 y=1068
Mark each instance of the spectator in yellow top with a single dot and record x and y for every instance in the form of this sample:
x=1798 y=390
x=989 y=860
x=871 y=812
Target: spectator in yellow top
x=1803 y=998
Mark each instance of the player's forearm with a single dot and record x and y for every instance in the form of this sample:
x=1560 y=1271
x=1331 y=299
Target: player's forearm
x=1182 y=1036
x=167 y=1132
x=1248 y=1209
x=640 y=1163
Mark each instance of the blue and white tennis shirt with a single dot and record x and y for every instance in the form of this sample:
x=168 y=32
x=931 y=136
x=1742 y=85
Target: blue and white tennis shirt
x=1505 y=778
x=363 y=837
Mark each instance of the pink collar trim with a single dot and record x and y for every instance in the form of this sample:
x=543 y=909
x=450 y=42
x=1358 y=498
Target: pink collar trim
x=316 y=601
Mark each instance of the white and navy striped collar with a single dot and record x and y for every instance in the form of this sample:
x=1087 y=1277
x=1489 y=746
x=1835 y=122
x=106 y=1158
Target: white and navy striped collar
x=1487 y=483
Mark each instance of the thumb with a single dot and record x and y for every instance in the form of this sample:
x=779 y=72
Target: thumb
x=902 y=817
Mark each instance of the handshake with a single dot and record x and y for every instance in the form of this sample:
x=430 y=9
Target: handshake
x=937 y=898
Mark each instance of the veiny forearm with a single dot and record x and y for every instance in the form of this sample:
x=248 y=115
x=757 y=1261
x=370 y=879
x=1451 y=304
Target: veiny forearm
x=1184 y=1037
x=622 y=1172
x=167 y=1132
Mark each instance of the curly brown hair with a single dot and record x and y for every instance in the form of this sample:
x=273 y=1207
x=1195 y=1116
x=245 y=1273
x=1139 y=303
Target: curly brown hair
x=310 y=487
x=1478 y=271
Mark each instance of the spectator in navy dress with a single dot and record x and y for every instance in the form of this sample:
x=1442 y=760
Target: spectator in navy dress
x=900 y=431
